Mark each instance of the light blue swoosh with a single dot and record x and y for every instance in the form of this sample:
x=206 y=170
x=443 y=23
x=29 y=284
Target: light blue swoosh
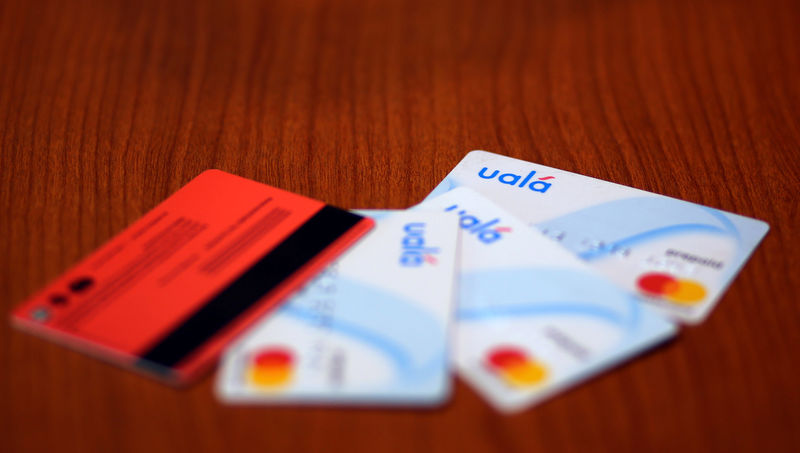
x=724 y=220
x=410 y=337
x=646 y=236
x=628 y=323
x=521 y=292
x=366 y=336
x=552 y=308
x=631 y=221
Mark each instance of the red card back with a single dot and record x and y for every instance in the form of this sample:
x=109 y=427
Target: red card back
x=166 y=294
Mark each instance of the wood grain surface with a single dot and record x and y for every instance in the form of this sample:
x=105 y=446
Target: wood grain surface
x=107 y=107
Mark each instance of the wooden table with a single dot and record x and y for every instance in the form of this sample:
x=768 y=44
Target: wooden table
x=108 y=107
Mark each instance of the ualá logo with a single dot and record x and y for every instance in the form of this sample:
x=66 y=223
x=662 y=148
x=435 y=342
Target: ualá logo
x=486 y=232
x=537 y=185
x=415 y=251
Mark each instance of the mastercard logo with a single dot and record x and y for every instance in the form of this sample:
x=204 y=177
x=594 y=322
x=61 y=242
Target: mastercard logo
x=515 y=368
x=271 y=367
x=677 y=290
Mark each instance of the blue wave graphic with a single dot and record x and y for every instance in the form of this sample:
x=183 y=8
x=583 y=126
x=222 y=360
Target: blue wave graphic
x=632 y=221
x=544 y=292
x=538 y=309
x=402 y=332
x=646 y=236
x=397 y=354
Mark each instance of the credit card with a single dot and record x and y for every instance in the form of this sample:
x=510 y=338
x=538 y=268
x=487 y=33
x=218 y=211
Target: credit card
x=677 y=256
x=371 y=329
x=166 y=294
x=531 y=318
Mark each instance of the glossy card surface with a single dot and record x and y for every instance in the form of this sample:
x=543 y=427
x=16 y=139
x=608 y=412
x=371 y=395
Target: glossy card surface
x=677 y=256
x=531 y=318
x=166 y=294
x=372 y=329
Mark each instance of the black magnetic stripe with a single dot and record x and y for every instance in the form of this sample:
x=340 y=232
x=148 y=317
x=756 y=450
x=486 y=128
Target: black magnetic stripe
x=320 y=231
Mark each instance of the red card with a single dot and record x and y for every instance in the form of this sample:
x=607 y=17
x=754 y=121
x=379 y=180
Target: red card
x=166 y=294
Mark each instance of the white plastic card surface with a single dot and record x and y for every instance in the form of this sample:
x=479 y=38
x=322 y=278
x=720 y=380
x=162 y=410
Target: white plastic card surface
x=372 y=329
x=531 y=318
x=677 y=256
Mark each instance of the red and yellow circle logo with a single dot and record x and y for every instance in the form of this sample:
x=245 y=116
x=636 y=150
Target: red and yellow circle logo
x=677 y=290
x=270 y=367
x=515 y=368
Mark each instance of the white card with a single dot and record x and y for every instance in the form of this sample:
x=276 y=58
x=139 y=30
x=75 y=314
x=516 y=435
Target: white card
x=677 y=256
x=531 y=318
x=372 y=329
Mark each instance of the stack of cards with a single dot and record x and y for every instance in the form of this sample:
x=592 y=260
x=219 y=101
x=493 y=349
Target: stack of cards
x=523 y=279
